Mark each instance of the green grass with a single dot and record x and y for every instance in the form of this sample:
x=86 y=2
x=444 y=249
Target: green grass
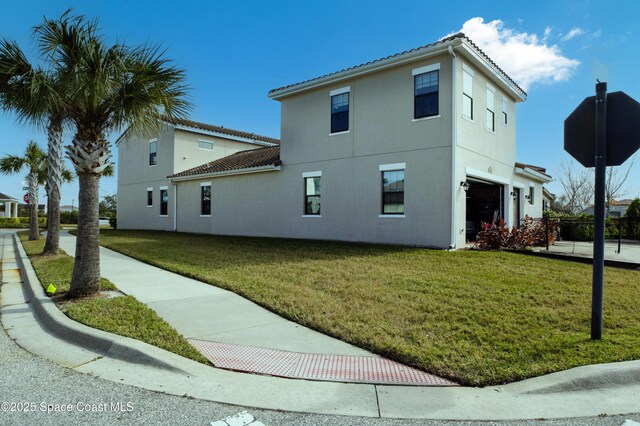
x=123 y=315
x=478 y=318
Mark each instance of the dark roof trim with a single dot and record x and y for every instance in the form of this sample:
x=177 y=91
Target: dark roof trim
x=219 y=131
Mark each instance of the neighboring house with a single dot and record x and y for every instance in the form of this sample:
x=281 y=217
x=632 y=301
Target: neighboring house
x=146 y=197
x=68 y=208
x=8 y=206
x=616 y=209
x=416 y=148
x=547 y=198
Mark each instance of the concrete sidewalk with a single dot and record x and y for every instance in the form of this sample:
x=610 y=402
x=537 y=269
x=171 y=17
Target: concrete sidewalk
x=204 y=312
x=580 y=392
x=628 y=257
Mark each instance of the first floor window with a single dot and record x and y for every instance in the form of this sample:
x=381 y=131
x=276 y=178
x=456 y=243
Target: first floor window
x=164 y=201
x=312 y=195
x=426 y=94
x=149 y=197
x=532 y=191
x=205 y=200
x=393 y=192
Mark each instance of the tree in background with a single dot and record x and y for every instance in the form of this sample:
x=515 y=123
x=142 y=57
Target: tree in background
x=34 y=160
x=632 y=215
x=577 y=187
x=109 y=206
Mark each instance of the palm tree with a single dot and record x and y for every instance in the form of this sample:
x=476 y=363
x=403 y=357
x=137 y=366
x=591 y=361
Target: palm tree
x=111 y=88
x=35 y=161
x=37 y=96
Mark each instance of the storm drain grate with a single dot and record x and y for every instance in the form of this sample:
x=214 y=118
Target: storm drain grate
x=332 y=368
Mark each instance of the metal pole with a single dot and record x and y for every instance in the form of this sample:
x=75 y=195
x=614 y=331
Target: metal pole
x=599 y=211
x=619 y=234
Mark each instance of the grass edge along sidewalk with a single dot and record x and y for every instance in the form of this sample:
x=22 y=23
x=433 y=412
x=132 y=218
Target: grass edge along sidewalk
x=477 y=318
x=122 y=315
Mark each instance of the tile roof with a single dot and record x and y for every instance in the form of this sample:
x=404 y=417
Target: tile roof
x=241 y=160
x=531 y=166
x=461 y=36
x=221 y=129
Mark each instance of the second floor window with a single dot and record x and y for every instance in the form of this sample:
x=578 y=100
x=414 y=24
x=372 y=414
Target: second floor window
x=340 y=112
x=491 y=116
x=205 y=200
x=505 y=116
x=312 y=195
x=426 y=94
x=164 y=201
x=467 y=94
x=153 y=152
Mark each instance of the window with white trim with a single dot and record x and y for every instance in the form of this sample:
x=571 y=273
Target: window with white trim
x=392 y=189
x=532 y=192
x=149 y=197
x=312 y=193
x=205 y=199
x=164 y=201
x=153 y=152
x=467 y=93
x=205 y=145
x=505 y=114
x=340 y=109
x=425 y=91
x=491 y=116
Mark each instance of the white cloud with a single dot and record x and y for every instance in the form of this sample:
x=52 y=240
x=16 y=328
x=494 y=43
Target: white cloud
x=573 y=33
x=524 y=57
x=547 y=33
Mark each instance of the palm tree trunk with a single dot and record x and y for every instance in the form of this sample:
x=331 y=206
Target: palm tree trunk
x=54 y=181
x=34 y=233
x=86 y=269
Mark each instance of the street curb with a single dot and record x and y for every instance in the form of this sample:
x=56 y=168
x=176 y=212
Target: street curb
x=54 y=321
x=580 y=259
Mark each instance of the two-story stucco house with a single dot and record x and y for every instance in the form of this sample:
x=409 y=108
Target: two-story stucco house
x=416 y=148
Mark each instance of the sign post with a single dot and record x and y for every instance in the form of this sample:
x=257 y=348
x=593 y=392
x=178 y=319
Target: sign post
x=602 y=131
x=599 y=210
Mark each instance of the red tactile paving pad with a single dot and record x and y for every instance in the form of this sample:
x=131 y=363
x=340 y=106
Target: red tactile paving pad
x=332 y=368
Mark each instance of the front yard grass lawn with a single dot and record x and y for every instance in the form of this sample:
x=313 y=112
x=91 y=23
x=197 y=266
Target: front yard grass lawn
x=123 y=315
x=478 y=318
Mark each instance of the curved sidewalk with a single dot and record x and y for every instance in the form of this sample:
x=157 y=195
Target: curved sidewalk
x=579 y=392
x=236 y=334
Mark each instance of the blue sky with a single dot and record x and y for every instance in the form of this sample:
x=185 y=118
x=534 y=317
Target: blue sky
x=234 y=52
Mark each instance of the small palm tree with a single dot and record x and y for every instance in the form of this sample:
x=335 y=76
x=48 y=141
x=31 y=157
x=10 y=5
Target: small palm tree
x=35 y=161
x=110 y=88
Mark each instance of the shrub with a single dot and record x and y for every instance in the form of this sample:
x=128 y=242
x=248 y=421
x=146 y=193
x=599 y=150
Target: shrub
x=20 y=222
x=532 y=232
x=113 y=221
x=632 y=215
x=69 y=218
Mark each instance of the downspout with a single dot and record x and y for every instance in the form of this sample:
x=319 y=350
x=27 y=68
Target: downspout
x=175 y=206
x=454 y=187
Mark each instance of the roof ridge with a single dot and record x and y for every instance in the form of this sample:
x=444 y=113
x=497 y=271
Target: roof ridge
x=458 y=35
x=221 y=129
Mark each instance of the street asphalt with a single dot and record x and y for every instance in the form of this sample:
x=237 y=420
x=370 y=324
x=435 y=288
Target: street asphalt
x=34 y=323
